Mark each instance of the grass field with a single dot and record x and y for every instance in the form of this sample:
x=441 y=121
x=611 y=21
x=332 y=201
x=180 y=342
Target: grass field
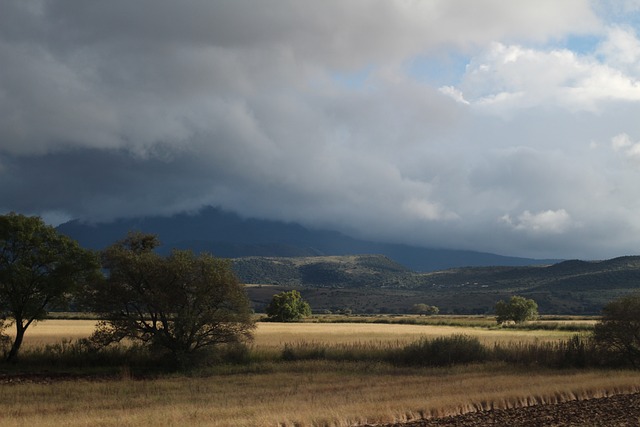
x=300 y=393
x=275 y=335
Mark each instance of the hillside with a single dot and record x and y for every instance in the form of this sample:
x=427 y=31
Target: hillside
x=228 y=235
x=376 y=284
x=352 y=271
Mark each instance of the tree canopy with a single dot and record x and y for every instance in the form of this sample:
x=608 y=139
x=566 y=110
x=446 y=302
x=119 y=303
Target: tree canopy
x=288 y=307
x=619 y=329
x=425 y=309
x=182 y=302
x=518 y=310
x=39 y=270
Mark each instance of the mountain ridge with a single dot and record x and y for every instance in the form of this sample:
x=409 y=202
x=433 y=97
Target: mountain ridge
x=229 y=235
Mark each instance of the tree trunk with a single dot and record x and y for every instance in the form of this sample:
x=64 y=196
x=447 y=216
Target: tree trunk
x=17 y=342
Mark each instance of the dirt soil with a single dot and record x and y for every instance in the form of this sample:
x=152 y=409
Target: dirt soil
x=617 y=410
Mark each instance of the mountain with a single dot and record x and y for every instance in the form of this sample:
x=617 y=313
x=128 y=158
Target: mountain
x=376 y=284
x=335 y=272
x=228 y=235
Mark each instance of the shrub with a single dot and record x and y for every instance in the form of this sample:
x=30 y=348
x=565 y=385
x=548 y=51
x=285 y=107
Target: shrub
x=303 y=351
x=442 y=351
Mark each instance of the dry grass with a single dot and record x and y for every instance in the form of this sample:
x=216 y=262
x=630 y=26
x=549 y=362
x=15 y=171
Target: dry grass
x=277 y=334
x=53 y=331
x=300 y=394
x=303 y=393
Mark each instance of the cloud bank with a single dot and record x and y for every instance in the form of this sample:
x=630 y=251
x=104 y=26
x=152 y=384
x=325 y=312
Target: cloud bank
x=445 y=123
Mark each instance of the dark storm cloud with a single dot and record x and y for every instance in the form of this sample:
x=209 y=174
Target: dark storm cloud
x=317 y=112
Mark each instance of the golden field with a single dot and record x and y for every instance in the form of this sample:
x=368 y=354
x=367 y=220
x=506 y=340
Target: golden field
x=302 y=393
x=270 y=335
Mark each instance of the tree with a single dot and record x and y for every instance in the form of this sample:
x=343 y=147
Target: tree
x=425 y=309
x=288 y=307
x=619 y=328
x=39 y=270
x=518 y=310
x=181 y=303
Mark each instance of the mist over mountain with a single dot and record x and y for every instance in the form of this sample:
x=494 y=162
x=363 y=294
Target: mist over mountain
x=228 y=235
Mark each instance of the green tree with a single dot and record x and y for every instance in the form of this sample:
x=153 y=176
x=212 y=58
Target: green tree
x=618 y=331
x=181 y=303
x=288 y=307
x=518 y=310
x=425 y=309
x=40 y=269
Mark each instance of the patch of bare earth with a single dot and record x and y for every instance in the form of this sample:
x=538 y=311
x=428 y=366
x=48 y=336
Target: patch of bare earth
x=616 y=410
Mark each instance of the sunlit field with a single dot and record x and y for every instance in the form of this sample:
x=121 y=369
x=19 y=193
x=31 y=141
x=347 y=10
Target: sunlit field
x=301 y=393
x=277 y=334
x=53 y=331
x=270 y=335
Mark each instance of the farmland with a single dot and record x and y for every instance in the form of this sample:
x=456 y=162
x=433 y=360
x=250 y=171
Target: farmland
x=269 y=391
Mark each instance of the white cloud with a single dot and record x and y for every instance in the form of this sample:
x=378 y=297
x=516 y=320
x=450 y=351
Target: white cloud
x=623 y=143
x=621 y=49
x=620 y=141
x=510 y=77
x=454 y=93
x=548 y=221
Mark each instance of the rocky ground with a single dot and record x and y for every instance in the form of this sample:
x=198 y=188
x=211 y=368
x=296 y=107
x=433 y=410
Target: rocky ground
x=617 y=410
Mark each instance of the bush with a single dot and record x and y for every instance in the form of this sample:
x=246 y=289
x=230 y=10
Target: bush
x=303 y=351
x=575 y=352
x=442 y=351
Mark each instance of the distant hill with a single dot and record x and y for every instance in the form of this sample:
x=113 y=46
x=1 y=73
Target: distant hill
x=228 y=235
x=353 y=271
x=376 y=284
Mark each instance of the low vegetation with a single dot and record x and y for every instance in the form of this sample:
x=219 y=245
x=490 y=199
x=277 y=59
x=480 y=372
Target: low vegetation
x=303 y=374
x=395 y=344
x=299 y=393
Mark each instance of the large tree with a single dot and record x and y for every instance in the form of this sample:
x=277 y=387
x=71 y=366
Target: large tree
x=288 y=307
x=40 y=269
x=619 y=329
x=518 y=310
x=425 y=309
x=181 y=302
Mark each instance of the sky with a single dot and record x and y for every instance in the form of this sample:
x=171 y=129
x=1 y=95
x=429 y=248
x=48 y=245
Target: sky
x=490 y=125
